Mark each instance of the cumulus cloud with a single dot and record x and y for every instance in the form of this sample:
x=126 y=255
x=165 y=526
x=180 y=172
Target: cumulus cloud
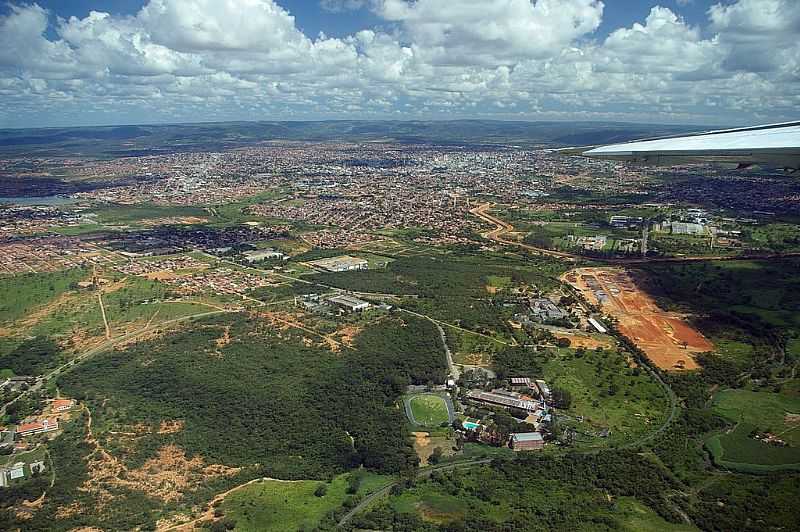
x=491 y=32
x=233 y=59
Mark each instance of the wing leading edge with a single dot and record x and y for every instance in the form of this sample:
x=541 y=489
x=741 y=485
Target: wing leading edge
x=775 y=145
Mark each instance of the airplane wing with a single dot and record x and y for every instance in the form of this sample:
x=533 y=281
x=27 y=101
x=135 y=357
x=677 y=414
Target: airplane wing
x=775 y=145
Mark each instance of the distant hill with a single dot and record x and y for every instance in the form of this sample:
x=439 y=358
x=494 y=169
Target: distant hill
x=119 y=141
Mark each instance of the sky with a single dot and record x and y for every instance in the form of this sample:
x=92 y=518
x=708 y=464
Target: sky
x=701 y=62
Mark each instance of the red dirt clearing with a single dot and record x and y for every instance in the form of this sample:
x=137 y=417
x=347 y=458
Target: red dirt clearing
x=665 y=338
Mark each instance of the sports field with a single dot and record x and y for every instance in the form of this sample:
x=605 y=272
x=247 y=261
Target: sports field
x=429 y=410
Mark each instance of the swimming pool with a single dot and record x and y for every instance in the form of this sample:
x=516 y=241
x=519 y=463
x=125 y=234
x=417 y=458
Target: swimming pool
x=469 y=425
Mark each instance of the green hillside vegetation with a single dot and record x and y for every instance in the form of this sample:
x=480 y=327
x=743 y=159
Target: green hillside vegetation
x=765 y=410
x=749 y=309
x=266 y=402
x=534 y=493
x=24 y=293
x=276 y=506
x=431 y=277
x=603 y=389
x=292 y=419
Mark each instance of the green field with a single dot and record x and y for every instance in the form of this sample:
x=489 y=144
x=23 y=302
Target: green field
x=765 y=410
x=276 y=506
x=762 y=412
x=48 y=306
x=607 y=394
x=534 y=493
x=23 y=293
x=737 y=450
x=634 y=516
x=131 y=214
x=429 y=410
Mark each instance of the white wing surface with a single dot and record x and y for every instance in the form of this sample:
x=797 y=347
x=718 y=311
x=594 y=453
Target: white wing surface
x=776 y=145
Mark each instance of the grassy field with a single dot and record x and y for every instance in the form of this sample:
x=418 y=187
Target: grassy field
x=765 y=410
x=429 y=410
x=738 y=451
x=636 y=404
x=48 y=306
x=761 y=412
x=276 y=506
x=23 y=293
x=132 y=214
x=634 y=516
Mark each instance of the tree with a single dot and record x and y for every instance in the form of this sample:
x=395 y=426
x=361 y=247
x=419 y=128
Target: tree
x=436 y=456
x=562 y=398
x=321 y=490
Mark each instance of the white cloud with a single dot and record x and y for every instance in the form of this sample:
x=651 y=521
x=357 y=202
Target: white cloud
x=190 y=59
x=491 y=32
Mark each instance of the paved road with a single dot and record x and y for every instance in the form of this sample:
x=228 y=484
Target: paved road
x=455 y=373
x=99 y=349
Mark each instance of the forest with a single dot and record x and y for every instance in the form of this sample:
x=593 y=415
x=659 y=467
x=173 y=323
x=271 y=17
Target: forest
x=271 y=405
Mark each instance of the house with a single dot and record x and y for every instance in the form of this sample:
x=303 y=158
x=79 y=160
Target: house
x=38 y=427
x=349 y=303
x=522 y=383
x=37 y=467
x=527 y=441
x=61 y=405
x=543 y=388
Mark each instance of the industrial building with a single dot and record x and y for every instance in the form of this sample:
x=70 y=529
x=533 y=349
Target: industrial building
x=545 y=310
x=258 y=255
x=527 y=441
x=343 y=263
x=349 y=303
x=503 y=398
x=625 y=222
x=688 y=228
x=597 y=325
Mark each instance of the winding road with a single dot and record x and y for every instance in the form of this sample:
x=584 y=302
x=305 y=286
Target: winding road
x=422 y=473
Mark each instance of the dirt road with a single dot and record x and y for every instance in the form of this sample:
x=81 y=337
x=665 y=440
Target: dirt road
x=101 y=348
x=502 y=227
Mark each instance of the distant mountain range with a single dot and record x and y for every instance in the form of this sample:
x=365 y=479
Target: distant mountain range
x=116 y=141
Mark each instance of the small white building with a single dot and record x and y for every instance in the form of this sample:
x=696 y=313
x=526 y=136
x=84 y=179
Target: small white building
x=598 y=326
x=11 y=472
x=258 y=255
